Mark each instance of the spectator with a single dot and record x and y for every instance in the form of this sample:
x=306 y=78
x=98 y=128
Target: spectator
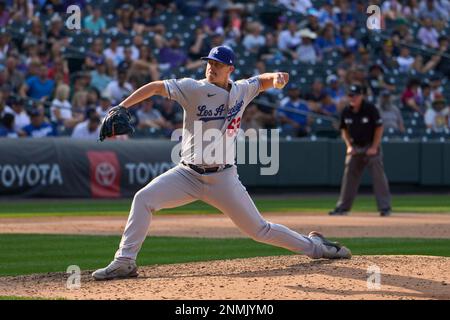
x=127 y=61
x=14 y=76
x=328 y=41
x=288 y=40
x=88 y=129
x=411 y=10
x=270 y=51
x=344 y=15
x=250 y=118
x=299 y=6
x=387 y=55
x=5 y=15
x=22 y=10
x=307 y=51
x=327 y=14
x=118 y=89
x=214 y=22
x=95 y=22
x=149 y=117
x=362 y=130
x=426 y=98
x=114 y=52
x=405 y=61
x=315 y=95
x=335 y=91
x=429 y=10
x=56 y=31
x=411 y=98
x=99 y=78
x=436 y=87
x=125 y=18
x=390 y=114
x=254 y=41
x=392 y=9
x=7 y=127
x=377 y=81
x=146 y=68
x=293 y=123
x=312 y=21
x=428 y=35
x=138 y=43
x=172 y=112
x=59 y=71
x=38 y=128
x=105 y=105
x=21 y=118
x=172 y=54
x=148 y=21
x=5 y=45
x=199 y=47
x=437 y=118
x=328 y=106
x=38 y=87
x=95 y=54
x=442 y=64
x=349 y=42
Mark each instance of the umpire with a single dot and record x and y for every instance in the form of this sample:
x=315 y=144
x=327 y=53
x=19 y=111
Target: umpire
x=362 y=130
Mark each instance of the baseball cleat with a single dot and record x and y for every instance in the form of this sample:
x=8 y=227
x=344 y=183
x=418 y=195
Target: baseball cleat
x=338 y=212
x=118 y=269
x=330 y=250
x=385 y=213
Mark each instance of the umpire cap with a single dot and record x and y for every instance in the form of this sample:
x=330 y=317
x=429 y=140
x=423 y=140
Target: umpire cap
x=221 y=54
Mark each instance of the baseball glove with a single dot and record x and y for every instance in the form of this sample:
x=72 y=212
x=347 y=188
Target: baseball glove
x=117 y=122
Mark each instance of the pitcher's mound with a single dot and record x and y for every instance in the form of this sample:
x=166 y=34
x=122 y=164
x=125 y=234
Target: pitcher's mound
x=281 y=277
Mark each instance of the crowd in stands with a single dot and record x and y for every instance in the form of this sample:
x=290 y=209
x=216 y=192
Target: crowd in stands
x=55 y=81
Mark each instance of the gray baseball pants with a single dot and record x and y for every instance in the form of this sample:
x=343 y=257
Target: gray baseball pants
x=223 y=190
x=354 y=168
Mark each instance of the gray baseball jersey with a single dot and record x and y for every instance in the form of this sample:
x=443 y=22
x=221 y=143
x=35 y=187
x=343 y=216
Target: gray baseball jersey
x=209 y=107
x=215 y=108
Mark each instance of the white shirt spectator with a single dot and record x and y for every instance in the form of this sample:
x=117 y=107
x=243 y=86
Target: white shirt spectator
x=287 y=40
x=252 y=42
x=437 y=120
x=405 y=63
x=20 y=119
x=300 y=6
x=81 y=131
x=116 y=93
x=116 y=56
x=428 y=36
x=64 y=107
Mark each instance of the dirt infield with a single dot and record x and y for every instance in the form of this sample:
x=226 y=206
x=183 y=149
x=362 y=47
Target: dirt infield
x=357 y=225
x=286 y=277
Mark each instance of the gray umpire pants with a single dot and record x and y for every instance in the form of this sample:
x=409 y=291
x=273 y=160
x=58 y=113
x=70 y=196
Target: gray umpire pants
x=354 y=168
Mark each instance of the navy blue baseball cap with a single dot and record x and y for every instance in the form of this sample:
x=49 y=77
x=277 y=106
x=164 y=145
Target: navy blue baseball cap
x=221 y=54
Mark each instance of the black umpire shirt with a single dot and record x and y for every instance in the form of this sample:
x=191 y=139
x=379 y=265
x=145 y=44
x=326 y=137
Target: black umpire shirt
x=361 y=125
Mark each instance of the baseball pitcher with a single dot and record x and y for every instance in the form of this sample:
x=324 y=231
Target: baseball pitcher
x=216 y=103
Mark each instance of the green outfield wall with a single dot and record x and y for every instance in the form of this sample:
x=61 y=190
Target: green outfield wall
x=61 y=167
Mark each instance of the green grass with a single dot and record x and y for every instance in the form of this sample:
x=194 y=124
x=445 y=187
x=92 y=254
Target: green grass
x=26 y=254
x=309 y=204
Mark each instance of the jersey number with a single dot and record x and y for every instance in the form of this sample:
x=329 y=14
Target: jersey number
x=233 y=127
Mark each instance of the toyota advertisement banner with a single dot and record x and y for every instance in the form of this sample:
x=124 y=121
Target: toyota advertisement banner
x=70 y=168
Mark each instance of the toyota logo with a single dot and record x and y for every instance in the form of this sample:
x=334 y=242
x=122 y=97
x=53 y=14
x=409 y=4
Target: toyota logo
x=105 y=173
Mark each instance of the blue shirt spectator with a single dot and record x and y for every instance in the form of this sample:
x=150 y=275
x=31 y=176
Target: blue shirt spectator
x=292 y=122
x=38 y=87
x=38 y=127
x=95 y=22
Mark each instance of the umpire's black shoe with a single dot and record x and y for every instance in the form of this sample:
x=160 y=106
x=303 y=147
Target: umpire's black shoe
x=385 y=213
x=338 y=212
